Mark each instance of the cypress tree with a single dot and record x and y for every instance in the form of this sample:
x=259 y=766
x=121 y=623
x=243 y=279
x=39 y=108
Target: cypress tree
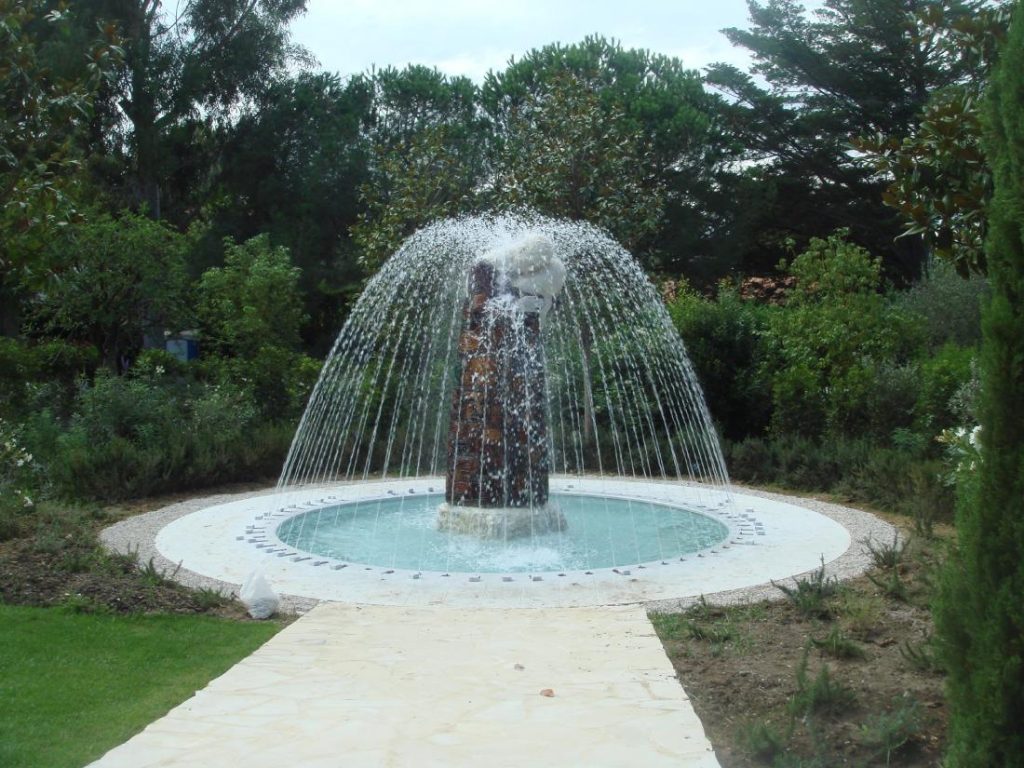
x=980 y=611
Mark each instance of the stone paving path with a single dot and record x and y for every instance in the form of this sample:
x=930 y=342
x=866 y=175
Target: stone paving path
x=352 y=686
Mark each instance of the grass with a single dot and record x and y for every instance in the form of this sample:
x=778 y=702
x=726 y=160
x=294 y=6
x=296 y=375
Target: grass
x=74 y=685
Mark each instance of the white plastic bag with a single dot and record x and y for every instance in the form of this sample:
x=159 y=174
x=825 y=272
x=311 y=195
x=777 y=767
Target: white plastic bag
x=257 y=596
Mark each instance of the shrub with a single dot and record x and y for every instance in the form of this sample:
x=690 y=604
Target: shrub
x=889 y=402
x=40 y=372
x=138 y=435
x=115 y=279
x=252 y=302
x=943 y=375
x=829 y=340
x=278 y=380
x=860 y=613
x=949 y=306
x=17 y=481
x=762 y=741
x=838 y=645
x=888 y=731
x=886 y=556
x=725 y=342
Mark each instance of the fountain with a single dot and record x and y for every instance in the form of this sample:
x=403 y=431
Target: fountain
x=497 y=352
x=509 y=417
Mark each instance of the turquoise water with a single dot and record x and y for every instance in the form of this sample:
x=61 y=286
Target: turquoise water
x=602 y=533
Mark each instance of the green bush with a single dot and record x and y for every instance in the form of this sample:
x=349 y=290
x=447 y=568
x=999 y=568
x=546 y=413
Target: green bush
x=252 y=302
x=278 y=380
x=948 y=306
x=796 y=462
x=889 y=403
x=828 y=343
x=17 y=481
x=44 y=371
x=901 y=479
x=944 y=374
x=139 y=435
x=115 y=279
x=725 y=342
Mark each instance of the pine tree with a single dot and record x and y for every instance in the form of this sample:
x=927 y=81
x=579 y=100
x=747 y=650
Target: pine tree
x=980 y=613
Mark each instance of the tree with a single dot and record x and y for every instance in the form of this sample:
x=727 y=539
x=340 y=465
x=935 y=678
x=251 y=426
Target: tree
x=939 y=180
x=852 y=68
x=41 y=117
x=183 y=69
x=980 y=614
x=292 y=167
x=113 y=281
x=426 y=157
x=250 y=312
x=828 y=342
x=252 y=301
x=636 y=113
x=566 y=156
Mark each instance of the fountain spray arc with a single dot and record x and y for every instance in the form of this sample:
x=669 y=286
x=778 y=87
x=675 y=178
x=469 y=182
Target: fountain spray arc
x=497 y=359
x=498 y=462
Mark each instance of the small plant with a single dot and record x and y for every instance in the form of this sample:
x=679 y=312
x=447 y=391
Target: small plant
x=761 y=741
x=17 y=476
x=75 y=602
x=837 y=645
x=702 y=609
x=717 y=632
x=809 y=595
x=860 y=613
x=822 y=695
x=887 y=556
x=921 y=656
x=891 y=584
x=155 y=577
x=207 y=598
x=77 y=560
x=888 y=731
x=116 y=563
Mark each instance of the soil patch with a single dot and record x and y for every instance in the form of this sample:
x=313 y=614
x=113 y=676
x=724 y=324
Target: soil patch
x=56 y=559
x=845 y=678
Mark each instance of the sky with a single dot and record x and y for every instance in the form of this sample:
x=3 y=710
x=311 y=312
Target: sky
x=471 y=37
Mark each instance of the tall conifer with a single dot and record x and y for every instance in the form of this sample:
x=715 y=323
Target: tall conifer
x=981 y=607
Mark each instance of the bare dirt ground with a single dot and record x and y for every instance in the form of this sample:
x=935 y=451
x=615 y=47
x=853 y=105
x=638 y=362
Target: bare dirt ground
x=56 y=560
x=834 y=675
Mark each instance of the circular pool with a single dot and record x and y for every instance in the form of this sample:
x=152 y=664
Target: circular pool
x=600 y=532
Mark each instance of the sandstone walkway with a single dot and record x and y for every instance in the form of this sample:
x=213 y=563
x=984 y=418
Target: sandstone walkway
x=349 y=686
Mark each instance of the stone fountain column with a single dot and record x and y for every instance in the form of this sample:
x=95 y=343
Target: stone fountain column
x=498 y=463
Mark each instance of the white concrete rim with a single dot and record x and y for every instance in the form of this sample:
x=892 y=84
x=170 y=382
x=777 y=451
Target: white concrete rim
x=207 y=541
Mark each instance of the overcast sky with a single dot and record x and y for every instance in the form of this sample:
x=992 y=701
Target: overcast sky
x=470 y=37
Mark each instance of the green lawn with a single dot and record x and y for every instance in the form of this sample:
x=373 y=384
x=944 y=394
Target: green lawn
x=72 y=686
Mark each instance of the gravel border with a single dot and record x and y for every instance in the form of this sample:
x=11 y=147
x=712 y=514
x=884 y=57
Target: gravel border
x=137 y=535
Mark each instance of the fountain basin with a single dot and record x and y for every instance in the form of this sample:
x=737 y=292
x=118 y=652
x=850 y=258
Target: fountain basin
x=213 y=543
x=572 y=532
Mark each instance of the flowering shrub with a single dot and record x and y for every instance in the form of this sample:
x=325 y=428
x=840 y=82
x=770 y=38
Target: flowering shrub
x=963 y=452
x=17 y=468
